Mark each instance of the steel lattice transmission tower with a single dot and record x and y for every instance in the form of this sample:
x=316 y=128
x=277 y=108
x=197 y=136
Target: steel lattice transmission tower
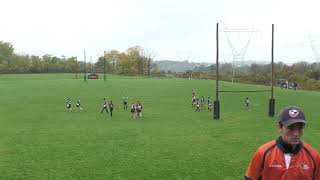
x=238 y=53
x=313 y=45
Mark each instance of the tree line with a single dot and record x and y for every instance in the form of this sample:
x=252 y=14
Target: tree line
x=134 y=61
x=306 y=74
x=139 y=61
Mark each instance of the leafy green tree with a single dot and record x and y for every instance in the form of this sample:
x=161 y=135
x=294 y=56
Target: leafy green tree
x=314 y=74
x=36 y=64
x=71 y=64
x=46 y=62
x=6 y=55
x=112 y=57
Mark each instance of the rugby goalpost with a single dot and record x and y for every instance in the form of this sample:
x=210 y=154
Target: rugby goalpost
x=216 y=104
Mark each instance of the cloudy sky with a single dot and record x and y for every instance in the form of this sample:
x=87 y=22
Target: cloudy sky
x=170 y=29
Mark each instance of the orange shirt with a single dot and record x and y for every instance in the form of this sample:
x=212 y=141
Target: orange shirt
x=268 y=163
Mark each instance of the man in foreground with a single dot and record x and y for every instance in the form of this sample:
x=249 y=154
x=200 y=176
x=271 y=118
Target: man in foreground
x=287 y=157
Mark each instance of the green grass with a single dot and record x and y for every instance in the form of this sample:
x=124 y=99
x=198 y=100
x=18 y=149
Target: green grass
x=39 y=140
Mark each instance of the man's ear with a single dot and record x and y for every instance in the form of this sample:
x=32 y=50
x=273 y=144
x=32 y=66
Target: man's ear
x=279 y=127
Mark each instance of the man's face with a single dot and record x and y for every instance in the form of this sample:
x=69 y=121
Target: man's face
x=292 y=134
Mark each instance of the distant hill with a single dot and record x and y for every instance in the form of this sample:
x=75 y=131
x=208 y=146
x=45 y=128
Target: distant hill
x=183 y=66
x=179 y=66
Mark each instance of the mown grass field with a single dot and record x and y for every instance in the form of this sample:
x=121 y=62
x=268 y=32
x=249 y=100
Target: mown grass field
x=40 y=140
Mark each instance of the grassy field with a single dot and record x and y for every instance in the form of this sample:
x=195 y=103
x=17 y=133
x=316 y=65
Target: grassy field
x=40 y=140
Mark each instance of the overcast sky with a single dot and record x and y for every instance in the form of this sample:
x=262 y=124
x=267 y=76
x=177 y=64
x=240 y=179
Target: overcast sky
x=171 y=29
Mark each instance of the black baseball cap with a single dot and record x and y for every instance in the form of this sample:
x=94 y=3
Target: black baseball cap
x=290 y=115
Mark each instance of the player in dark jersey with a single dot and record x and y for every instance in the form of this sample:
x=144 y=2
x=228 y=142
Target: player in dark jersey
x=197 y=105
x=69 y=104
x=246 y=103
x=193 y=98
x=110 y=107
x=209 y=104
x=202 y=102
x=193 y=92
x=193 y=101
x=105 y=106
x=79 y=105
x=135 y=110
x=139 y=110
x=132 y=110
